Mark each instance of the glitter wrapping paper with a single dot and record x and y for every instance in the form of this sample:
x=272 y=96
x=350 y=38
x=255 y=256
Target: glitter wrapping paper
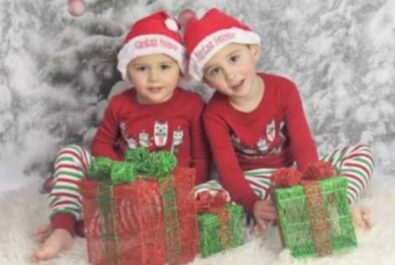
x=314 y=218
x=148 y=222
x=221 y=229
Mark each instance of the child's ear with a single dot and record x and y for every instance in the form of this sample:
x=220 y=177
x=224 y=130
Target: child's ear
x=255 y=52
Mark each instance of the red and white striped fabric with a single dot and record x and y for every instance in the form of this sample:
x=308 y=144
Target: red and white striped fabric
x=71 y=165
x=355 y=163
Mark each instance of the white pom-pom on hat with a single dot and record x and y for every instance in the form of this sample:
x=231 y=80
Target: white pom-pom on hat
x=171 y=24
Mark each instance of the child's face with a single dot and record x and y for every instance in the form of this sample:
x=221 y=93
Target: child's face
x=231 y=70
x=154 y=77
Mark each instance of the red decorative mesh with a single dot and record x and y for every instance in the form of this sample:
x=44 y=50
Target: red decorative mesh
x=206 y=202
x=286 y=177
x=125 y=224
x=319 y=170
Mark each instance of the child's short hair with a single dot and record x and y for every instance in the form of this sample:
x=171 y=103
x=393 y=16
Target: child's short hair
x=206 y=36
x=153 y=34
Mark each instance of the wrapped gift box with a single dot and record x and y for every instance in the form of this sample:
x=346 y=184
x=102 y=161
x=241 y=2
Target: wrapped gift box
x=220 y=229
x=314 y=218
x=147 y=222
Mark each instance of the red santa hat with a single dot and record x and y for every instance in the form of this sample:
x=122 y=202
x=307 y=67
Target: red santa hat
x=157 y=33
x=206 y=36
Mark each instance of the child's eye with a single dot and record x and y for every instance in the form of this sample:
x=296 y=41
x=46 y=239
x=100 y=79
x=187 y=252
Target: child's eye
x=141 y=68
x=234 y=58
x=165 y=66
x=214 y=71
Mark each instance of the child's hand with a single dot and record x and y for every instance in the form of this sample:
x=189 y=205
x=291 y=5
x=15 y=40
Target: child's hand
x=264 y=212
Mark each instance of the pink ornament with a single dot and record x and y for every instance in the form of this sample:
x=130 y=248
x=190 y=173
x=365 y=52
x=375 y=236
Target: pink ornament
x=186 y=16
x=76 y=7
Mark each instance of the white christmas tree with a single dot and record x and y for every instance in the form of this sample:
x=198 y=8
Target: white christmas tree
x=58 y=70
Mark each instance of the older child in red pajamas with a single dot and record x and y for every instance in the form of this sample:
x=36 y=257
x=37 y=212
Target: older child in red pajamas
x=255 y=122
x=156 y=114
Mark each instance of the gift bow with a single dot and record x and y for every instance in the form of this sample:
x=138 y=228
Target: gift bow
x=207 y=201
x=288 y=177
x=139 y=163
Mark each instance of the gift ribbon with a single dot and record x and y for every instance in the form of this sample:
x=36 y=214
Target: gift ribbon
x=108 y=225
x=285 y=177
x=225 y=231
x=318 y=217
x=170 y=219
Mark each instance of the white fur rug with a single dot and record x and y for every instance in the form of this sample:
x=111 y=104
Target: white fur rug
x=22 y=210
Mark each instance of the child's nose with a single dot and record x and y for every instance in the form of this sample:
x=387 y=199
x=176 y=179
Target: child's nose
x=230 y=74
x=153 y=75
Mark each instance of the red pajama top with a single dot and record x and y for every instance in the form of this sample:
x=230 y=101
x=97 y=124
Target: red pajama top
x=274 y=135
x=175 y=125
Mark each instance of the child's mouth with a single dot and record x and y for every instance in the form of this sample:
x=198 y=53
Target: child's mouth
x=154 y=89
x=237 y=86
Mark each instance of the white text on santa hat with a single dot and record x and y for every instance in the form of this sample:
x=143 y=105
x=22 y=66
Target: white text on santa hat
x=214 y=41
x=154 y=42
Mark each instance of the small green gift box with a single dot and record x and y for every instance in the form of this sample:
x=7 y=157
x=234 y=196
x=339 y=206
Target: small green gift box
x=221 y=229
x=314 y=218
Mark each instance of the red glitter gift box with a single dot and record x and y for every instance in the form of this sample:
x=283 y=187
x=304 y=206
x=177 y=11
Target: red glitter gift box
x=148 y=222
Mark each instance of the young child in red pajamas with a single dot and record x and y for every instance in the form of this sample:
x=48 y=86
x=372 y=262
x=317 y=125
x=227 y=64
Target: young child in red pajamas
x=255 y=122
x=155 y=113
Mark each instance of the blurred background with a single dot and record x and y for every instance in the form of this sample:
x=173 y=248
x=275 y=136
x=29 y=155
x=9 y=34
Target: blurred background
x=57 y=71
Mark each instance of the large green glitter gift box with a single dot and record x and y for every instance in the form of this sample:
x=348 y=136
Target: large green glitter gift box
x=140 y=211
x=220 y=229
x=314 y=217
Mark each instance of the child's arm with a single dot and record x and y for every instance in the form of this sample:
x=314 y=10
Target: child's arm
x=104 y=140
x=200 y=149
x=230 y=174
x=303 y=147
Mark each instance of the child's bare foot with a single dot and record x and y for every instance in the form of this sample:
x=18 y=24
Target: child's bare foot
x=60 y=239
x=42 y=232
x=361 y=217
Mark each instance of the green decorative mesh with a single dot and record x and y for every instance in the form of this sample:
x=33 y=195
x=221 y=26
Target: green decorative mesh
x=158 y=165
x=139 y=163
x=122 y=173
x=100 y=168
x=137 y=155
x=296 y=226
x=216 y=237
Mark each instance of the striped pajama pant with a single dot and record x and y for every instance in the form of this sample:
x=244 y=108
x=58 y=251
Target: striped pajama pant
x=355 y=163
x=71 y=165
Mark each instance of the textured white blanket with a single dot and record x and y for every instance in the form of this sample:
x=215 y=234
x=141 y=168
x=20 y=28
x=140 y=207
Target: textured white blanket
x=23 y=209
